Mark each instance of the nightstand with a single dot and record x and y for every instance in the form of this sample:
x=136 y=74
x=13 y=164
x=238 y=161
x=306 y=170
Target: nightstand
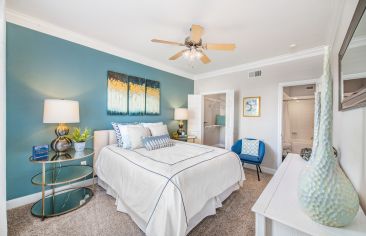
x=186 y=138
x=60 y=171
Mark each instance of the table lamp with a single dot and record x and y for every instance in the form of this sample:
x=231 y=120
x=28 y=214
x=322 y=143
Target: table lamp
x=60 y=112
x=181 y=114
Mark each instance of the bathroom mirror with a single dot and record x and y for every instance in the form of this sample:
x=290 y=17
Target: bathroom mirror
x=352 y=62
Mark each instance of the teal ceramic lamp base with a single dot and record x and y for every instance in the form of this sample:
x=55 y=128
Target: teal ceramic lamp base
x=61 y=143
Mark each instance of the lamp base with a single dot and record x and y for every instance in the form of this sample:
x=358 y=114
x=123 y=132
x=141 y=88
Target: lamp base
x=181 y=131
x=61 y=143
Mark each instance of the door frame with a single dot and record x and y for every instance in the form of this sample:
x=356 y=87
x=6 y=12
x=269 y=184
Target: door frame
x=280 y=111
x=227 y=128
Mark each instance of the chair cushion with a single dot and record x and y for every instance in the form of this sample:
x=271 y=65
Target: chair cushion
x=250 y=147
x=250 y=159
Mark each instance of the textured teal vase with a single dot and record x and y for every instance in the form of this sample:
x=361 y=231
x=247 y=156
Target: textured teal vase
x=325 y=193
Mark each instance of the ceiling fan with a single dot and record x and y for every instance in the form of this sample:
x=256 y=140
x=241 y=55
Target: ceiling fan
x=195 y=47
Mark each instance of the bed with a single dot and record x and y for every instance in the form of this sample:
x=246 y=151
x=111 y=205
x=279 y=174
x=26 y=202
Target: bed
x=167 y=191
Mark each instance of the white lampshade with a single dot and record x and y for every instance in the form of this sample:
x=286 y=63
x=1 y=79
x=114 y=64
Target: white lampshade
x=180 y=114
x=60 y=111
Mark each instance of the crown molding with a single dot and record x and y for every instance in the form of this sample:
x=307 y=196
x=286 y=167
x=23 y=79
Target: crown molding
x=27 y=21
x=36 y=24
x=358 y=42
x=312 y=52
x=354 y=76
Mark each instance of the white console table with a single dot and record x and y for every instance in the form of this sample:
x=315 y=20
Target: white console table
x=278 y=212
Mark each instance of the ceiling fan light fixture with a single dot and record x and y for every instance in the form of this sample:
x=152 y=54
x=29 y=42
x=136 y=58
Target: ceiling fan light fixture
x=186 y=54
x=195 y=48
x=198 y=54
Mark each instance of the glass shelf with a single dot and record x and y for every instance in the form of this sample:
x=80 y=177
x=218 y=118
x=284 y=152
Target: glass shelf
x=62 y=202
x=70 y=156
x=62 y=175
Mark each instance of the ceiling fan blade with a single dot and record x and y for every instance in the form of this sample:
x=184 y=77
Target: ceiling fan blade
x=167 y=42
x=179 y=54
x=196 y=33
x=220 y=46
x=204 y=58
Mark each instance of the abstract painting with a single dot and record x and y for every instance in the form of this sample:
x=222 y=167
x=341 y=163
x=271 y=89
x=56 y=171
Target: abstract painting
x=251 y=106
x=117 y=103
x=152 y=97
x=136 y=96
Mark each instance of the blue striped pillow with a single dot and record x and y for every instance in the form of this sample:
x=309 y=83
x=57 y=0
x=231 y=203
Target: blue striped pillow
x=156 y=142
x=118 y=134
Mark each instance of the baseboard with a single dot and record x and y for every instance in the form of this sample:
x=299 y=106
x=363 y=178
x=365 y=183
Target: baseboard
x=264 y=169
x=21 y=201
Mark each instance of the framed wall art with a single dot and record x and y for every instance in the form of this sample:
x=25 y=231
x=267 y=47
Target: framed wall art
x=136 y=96
x=117 y=94
x=251 y=106
x=152 y=106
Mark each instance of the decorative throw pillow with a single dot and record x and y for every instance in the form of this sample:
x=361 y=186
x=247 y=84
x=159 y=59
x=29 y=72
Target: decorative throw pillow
x=158 y=130
x=148 y=125
x=135 y=135
x=124 y=134
x=250 y=147
x=156 y=142
x=118 y=134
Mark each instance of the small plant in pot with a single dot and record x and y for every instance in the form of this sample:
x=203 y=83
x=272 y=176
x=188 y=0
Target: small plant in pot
x=79 y=138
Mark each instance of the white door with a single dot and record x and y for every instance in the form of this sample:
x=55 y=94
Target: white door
x=229 y=120
x=195 y=114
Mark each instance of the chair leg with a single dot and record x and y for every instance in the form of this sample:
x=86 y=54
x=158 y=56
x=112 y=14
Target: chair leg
x=258 y=173
x=260 y=170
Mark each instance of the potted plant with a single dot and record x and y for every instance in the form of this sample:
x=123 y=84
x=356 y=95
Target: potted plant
x=79 y=138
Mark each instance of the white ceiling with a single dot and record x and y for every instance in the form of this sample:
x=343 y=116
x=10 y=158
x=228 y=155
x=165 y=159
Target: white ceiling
x=261 y=29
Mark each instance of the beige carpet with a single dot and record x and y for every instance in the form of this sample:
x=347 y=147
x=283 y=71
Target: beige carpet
x=99 y=216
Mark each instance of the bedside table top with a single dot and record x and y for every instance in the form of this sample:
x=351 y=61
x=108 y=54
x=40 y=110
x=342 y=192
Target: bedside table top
x=71 y=155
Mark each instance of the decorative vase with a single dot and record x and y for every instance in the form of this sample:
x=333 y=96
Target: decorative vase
x=324 y=191
x=79 y=147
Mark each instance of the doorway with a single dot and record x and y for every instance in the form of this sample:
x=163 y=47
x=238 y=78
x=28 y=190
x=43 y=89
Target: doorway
x=297 y=118
x=214 y=120
x=211 y=118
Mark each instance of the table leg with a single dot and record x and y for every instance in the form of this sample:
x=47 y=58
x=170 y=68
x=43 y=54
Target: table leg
x=93 y=181
x=53 y=187
x=43 y=187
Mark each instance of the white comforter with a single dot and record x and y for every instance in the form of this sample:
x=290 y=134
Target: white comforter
x=164 y=188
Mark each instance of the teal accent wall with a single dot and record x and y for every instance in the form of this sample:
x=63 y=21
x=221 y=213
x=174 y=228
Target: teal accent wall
x=40 y=66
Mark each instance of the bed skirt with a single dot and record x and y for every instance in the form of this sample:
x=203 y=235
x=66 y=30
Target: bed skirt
x=208 y=209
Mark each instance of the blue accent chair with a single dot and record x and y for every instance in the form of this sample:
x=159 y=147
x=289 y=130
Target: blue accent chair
x=254 y=160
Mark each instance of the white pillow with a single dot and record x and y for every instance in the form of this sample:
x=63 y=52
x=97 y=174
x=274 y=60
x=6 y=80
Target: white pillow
x=158 y=130
x=148 y=125
x=135 y=136
x=125 y=136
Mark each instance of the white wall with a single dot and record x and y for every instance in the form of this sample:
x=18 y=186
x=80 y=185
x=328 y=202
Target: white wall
x=349 y=126
x=263 y=127
x=3 y=222
x=301 y=118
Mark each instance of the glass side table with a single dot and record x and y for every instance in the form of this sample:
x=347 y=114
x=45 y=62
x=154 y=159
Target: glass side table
x=61 y=202
x=186 y=138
